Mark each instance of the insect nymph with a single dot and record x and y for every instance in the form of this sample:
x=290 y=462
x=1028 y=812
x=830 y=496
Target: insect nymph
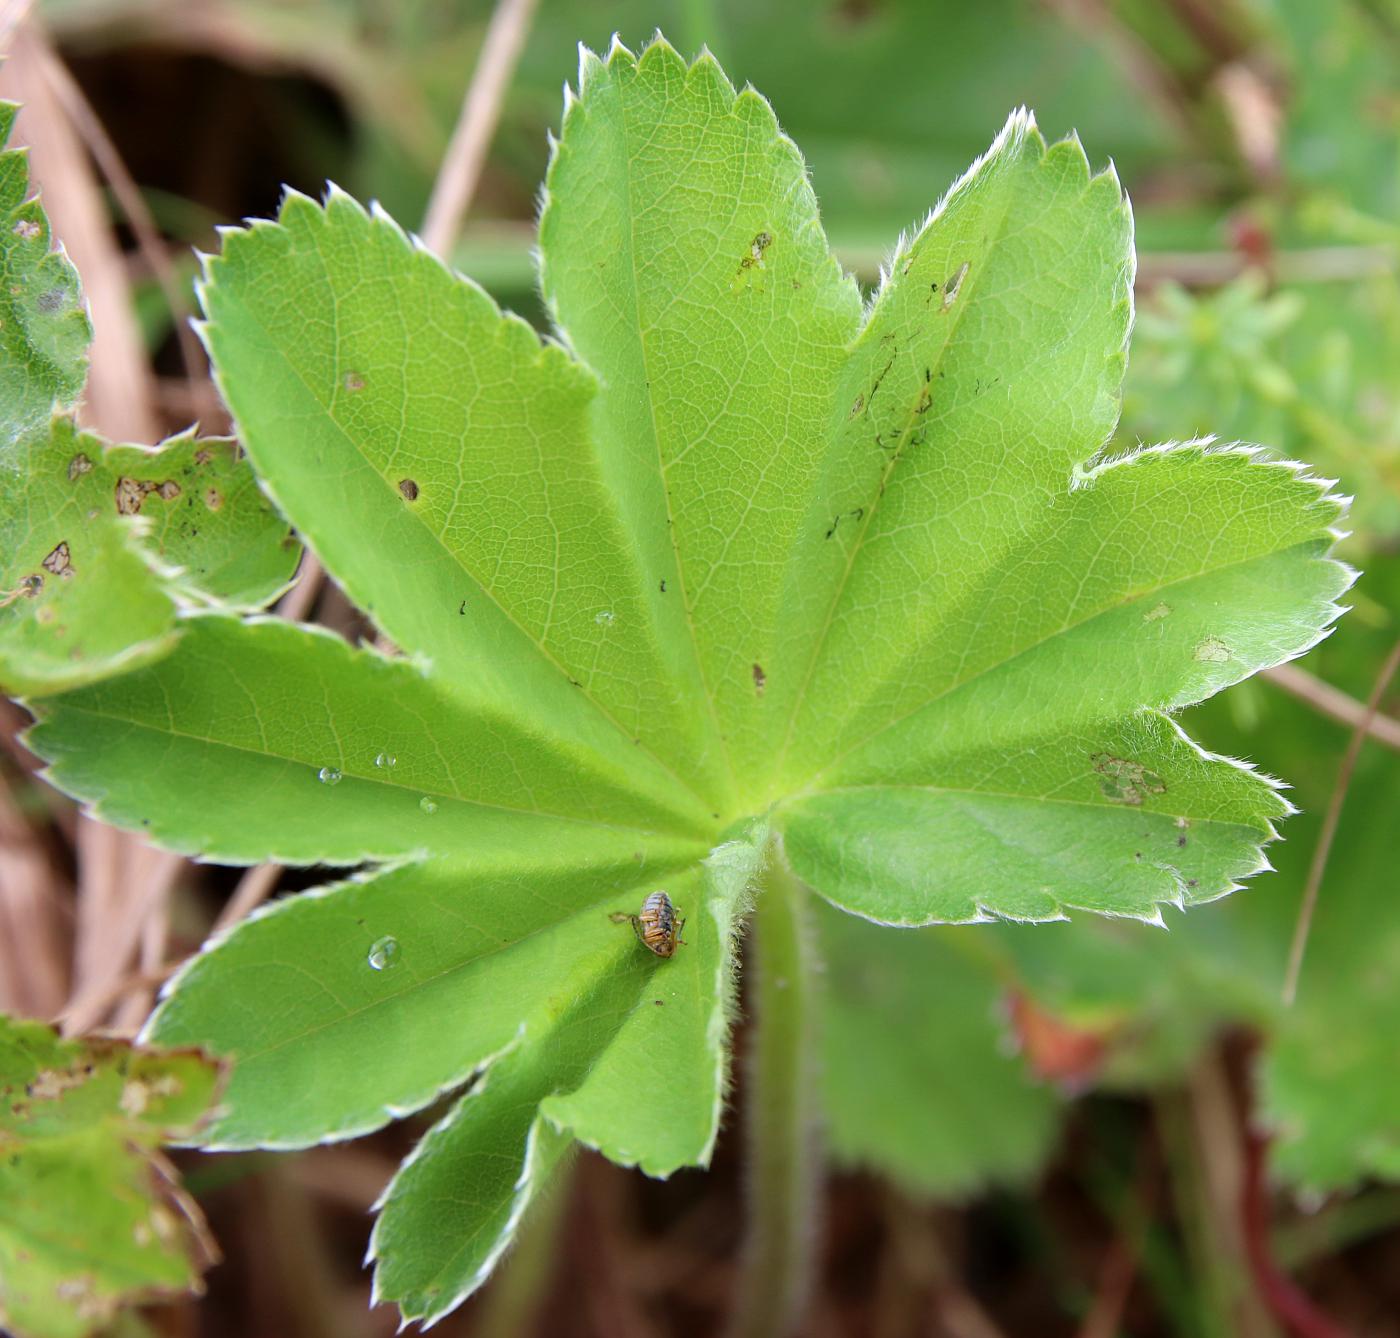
x=656 y=926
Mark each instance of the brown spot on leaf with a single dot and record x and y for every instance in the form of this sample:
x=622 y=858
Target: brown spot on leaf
x=50 y=1084
x=82 y=1294
x=135 y=1097
x=213 y=498
x=27 y=228
x=130 y=494
x=760 y=679
x=409 y=489
x=353 y=382
x=28 y=587
x=78 y=466
x=169 y=490
x=60 y=560
x=1124 y=781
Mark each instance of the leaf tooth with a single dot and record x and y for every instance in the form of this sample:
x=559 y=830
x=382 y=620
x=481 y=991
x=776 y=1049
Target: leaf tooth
x=657 y=51
x=618 y=50
x=705 y=72
x=590 y=66
x=1019 y=126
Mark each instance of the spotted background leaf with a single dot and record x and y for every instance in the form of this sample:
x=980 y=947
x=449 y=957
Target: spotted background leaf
x=94 y=1216
x=100 y=545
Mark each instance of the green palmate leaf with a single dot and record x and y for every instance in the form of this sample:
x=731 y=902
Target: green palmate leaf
x=917 y=1081
x=99 y=545
x=93 y=1216
x=732 y=554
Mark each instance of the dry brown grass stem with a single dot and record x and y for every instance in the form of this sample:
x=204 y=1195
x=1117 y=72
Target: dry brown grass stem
x=138 y=216
x=476 y=123
x=1330 y=819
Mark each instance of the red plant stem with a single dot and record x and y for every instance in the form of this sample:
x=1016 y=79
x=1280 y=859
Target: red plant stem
x=1286 y=1301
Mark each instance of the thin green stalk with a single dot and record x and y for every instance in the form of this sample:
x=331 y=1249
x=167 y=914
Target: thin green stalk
x=785 y=1169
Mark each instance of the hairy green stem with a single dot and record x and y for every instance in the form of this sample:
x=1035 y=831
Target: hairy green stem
x=785 y=1169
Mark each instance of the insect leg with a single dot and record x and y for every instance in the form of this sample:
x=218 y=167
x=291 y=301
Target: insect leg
x=617 y=917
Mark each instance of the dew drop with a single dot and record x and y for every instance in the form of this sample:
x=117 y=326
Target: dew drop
x=386 y=760
x=329 y=775
x=604 y=617
x=427 y=804
x=384 y=952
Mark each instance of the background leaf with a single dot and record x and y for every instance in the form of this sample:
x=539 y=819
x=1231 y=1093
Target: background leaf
x=93 y=1216
x=86 y=591
x=917 y=1082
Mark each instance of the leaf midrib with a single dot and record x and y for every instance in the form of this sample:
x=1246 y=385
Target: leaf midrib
x=1135 y=810
x=661 y=464
x=189 y=735
x=1121 y=601
x=966 y=294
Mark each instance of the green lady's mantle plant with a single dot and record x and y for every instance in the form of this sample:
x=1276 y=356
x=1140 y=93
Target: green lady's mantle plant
x=737 y=587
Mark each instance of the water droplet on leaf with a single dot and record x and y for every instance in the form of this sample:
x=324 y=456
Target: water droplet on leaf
x=427 y=804
x=386 y=760
x=384 y=952
x=604 y=617
x=329 y=775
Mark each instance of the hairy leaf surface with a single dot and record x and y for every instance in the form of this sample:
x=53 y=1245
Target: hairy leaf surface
x=729 y=553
